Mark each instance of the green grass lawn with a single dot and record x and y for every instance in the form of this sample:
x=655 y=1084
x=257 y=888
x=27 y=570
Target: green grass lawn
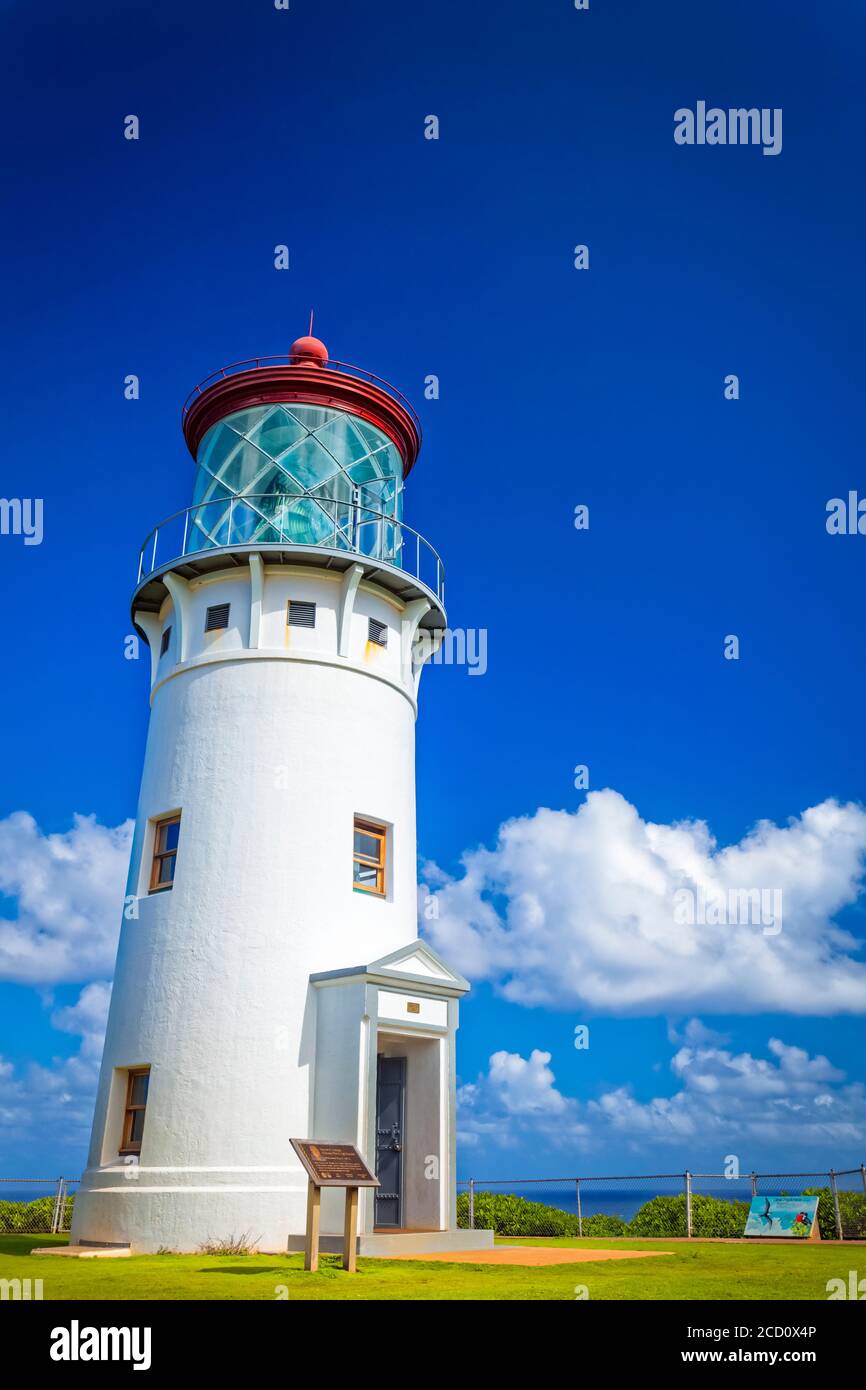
x=692 y=1271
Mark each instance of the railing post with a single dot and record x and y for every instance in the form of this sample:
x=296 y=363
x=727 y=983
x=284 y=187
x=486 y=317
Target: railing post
x=688 y=1178
x=754 y=1178
x=153 y=556
x=579 y=1213
x=185 y=529
x=837 y=1213
x=231 y=515
x=472 y=1204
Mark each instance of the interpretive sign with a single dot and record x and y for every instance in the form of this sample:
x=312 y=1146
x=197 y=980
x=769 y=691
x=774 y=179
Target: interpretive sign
x=783 y=1216
x=332 y=1165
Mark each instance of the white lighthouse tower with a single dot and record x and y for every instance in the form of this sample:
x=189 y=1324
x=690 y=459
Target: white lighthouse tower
x=270 y=983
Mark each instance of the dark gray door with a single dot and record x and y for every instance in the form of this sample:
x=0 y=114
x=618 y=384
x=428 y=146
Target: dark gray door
x=390 y=1109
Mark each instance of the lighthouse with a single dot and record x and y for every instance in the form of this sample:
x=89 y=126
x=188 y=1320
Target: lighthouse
x=270 y=983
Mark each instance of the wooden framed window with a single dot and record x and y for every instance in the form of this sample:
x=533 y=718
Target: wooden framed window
x=368 y=858
x=166 y=834
x=138 y=1079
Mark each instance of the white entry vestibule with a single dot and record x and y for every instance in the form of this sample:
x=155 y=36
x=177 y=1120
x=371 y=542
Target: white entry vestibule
x=385 y=1080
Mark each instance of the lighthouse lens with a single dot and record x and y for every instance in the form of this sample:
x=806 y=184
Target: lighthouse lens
x=301 y=475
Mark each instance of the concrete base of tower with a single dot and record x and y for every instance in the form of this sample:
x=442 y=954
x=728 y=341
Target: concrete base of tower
x=164 y=1210
x=390 y=1243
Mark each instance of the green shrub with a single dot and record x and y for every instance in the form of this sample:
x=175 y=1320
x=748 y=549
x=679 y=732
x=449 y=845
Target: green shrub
x=10 y=1216
x=716 y=1216
x=661 y=1216
x=508 y=1215
x=601 y=1225
x=32 y=1217
x=852 y=1209
x=711 y=1216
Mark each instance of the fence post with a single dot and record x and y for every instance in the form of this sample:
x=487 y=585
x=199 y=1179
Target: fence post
x=688 y=1178
x=58 y=1207
x=839 y=1235
x=579 y=1214
x=472 y=1204
x=863 y=1175
x=754 y=1178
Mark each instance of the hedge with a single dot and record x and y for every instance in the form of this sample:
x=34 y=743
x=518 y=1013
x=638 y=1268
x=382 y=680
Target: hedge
x=32 y=1217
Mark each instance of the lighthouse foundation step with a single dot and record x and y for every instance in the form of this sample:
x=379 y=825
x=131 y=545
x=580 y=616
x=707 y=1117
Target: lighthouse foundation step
x=86 y=1252
x=385 y=1243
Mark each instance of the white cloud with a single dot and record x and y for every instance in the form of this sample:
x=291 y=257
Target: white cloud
x=516 y=1096
x=70 y=891
x=726 y=1101
x=87 y=1018
x=49 y=1109
x=580 y=909
x=525 y=1087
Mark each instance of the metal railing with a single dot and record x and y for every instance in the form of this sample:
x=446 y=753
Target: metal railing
x=36 y=1206
x=285 y=359
x=293 y=519
x=656 y=1204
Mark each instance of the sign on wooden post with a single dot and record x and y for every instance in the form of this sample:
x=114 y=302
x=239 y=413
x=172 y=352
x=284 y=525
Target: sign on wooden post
x=332 y=1165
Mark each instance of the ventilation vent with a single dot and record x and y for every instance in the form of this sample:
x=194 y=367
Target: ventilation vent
x=301 y=613
x=166 y=638
x=217 y=617
x=378 y=633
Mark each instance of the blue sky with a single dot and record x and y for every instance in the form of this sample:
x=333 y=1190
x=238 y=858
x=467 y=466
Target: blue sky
x=558 y=387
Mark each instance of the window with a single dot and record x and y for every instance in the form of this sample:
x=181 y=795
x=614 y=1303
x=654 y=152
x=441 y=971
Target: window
x=377 y=633
x=301 y=613
x=136 y=1103
x=165 y=837
x=166 y=638
x=217 y=617
x=368 y=867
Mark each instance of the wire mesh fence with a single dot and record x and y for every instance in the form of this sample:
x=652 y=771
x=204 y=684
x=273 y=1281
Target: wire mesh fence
x=36 y=1206
x=708 y=1205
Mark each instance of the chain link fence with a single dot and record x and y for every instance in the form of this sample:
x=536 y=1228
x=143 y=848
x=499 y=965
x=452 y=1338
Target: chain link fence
x=709 y=1205
x=36 y=1206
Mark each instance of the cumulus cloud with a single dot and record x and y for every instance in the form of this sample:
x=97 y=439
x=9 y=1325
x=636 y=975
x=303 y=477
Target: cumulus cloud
x=48 y=1109
x=87 y=1017
x=725 y=1100
x=69 y=889
x=585 y=909
x=517 y=1095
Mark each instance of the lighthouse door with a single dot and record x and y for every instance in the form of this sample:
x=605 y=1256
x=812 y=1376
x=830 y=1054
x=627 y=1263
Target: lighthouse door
x=390 y=1107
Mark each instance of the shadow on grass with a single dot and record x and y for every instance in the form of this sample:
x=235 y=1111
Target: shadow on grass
x=329 y=1266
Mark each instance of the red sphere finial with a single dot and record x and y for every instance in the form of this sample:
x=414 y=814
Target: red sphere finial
x=308 y=350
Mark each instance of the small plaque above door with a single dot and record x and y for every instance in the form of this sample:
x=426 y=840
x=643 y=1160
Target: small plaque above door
x=333 y=1165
